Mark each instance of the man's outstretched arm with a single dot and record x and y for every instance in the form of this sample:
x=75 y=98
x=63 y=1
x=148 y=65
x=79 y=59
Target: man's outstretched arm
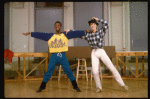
x=76 y=33
x=40 y=35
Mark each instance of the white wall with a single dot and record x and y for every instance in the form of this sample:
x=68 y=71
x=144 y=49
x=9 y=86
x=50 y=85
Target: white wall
x=68 y=18
x=21 y=21
x=31 y=26
x=68 y=22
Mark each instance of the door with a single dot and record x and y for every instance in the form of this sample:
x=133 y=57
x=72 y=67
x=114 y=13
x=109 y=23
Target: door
x=117 y=26
x=83 y=12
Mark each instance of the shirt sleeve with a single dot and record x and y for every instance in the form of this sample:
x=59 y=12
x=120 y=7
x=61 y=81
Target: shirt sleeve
x=104 y=25
x=75 y=34
x=84 y=37
x=42 y=35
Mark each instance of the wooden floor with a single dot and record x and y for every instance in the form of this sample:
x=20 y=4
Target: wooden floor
x=63 y=88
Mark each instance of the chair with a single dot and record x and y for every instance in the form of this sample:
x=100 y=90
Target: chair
x=84 y=68
x=60 y=70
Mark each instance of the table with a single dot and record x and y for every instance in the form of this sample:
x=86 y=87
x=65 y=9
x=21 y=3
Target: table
x=77 y=53
x=132 y=53
x=29 y=54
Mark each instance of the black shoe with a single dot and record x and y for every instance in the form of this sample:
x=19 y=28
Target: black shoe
x=42 y=87
x=40 y=90
x=77 y=89
x=75 y=86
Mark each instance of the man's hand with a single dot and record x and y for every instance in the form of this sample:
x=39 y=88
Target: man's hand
x=88 y=31
x=28 y=33
x=95 y=18
x=67 y=31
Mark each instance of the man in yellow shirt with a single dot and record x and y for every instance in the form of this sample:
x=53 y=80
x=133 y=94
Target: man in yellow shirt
x=58 y=45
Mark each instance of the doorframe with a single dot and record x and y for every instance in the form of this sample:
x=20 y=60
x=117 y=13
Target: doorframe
x=10 y=26
x=109 y=19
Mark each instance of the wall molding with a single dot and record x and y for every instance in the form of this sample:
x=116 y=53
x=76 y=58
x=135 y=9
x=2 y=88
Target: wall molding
x=109 y=18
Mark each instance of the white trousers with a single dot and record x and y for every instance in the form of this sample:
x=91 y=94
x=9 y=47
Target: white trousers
x=100 y=53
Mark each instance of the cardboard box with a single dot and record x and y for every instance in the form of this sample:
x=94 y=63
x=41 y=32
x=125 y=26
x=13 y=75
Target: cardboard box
x=85 y=52
x=110 y=50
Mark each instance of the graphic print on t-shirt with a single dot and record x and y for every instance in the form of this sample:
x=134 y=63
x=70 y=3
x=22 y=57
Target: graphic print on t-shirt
x=58 y=43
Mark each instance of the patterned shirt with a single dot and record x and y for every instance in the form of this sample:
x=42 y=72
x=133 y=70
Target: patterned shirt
x=96 y=40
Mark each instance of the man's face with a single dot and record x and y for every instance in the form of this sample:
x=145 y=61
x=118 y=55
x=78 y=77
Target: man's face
x=93 y=26
x=58 y=26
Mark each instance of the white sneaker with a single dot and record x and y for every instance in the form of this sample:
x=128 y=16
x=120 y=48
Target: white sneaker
x=125 y=87
x=98 y=90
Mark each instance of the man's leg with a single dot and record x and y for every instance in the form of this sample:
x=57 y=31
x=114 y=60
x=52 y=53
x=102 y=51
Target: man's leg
x=95 y=69
x=51 y=67
x=65 y=65
x=102 y=54
x=47 y=75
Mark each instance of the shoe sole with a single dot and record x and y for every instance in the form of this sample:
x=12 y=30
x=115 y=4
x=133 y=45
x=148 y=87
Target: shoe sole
x=98 y=91
x=78 y=90
x=40 y=90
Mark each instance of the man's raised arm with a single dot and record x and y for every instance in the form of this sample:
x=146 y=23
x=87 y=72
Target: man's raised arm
x=104 y=23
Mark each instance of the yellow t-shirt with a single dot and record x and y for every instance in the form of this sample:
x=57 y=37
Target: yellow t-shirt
x=58 y=43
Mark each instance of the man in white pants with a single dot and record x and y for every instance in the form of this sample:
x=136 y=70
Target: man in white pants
x=95 y=38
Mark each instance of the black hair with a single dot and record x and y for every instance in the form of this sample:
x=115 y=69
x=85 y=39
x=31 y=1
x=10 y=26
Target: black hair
x=58 y=22
x=93 y=21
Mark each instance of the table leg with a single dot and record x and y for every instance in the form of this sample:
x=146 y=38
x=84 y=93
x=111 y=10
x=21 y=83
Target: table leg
x=125 y=66
x=29 y=67
x=121 y=65
x=110 y=73
x=46 y=63
x=19 y=67
x=117 y=63
x=136 y=65
x=143 y=65
x=24 y=68
x=40 y=74
x=83 y=68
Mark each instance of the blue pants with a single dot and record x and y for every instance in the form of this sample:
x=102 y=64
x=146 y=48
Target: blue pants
x=58 y=58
